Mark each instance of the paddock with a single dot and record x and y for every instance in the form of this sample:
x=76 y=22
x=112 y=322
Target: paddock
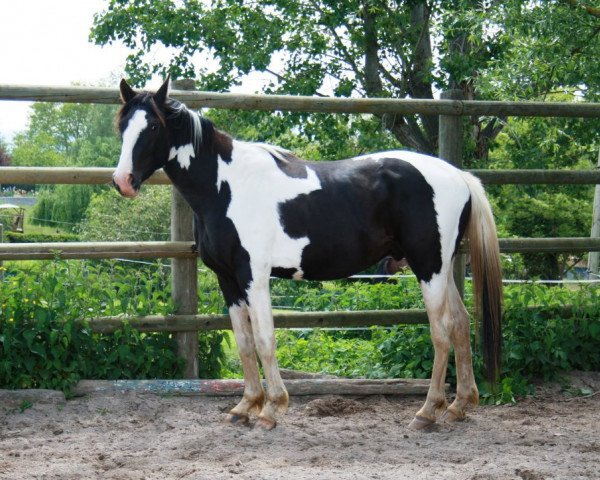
x=147 y=436
x=132 y=435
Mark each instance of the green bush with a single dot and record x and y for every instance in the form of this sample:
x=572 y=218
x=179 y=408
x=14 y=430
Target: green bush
x=109 y=217
x=44 y=345
x=320 y=351
x=64 y=205
x=347 y=295
x=16 y=237
x=540 y=339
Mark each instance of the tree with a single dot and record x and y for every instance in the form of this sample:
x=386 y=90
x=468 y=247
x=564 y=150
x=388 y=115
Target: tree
x=110 y=218
x=66 y=135
x=509 y=50
x=374 y=48
x=545 y=211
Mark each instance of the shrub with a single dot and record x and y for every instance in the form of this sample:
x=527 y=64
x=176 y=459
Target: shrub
x=540 y=339
x=16 y=237
x=64 y=205
x=44 y=345
x=109 y=217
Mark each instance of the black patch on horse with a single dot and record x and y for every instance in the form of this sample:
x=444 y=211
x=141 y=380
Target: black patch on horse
x=294 y=168
x=363 y=212
x=462 y=224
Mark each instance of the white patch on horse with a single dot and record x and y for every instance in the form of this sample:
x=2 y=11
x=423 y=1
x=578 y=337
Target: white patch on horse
x=136 y=125
x=258 y=186
x=184 y=155
x=298 y=275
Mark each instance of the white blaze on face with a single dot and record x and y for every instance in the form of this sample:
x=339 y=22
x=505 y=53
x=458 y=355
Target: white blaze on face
x=136 y=125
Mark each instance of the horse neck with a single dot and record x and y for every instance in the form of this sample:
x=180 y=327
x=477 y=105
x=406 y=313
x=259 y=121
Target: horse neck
x=197 y=181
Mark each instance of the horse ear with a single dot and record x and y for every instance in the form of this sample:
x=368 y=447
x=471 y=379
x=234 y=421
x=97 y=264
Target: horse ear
x=127 y=93
x=163 y=92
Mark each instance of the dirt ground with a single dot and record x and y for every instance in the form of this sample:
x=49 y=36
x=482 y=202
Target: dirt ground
x=129 y=436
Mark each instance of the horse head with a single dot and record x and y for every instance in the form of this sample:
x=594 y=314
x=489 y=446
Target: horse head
x=145 y=137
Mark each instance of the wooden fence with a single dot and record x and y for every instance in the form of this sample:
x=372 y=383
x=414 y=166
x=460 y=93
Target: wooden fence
x=186 y=323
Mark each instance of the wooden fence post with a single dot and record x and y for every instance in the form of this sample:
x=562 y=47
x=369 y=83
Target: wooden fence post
x=451 y=149
x=184 y=276
x=594 y=257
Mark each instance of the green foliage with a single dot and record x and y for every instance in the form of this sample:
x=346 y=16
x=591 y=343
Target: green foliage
x=63 y=205
x=5 y=157
x=321 y=351
x=489 y=50
x=352 y=295
x=16 y=237
x=545 y=46
x=43 y=344
x=540 y=341
x=64 y=135
x=544 y=211
x=109 y=217
x=314 y=137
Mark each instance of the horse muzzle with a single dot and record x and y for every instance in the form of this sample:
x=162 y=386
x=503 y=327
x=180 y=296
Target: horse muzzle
x=126 y=185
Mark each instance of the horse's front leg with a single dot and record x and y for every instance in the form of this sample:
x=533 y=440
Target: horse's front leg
x=254 y=396
x=261 y=316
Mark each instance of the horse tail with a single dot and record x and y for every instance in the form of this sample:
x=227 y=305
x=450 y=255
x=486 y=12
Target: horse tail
x=487 y=275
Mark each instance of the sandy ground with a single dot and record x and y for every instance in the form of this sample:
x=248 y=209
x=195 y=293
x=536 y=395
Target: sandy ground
x=128 y=436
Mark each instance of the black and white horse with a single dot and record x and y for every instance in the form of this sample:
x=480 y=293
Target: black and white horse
x=260 y=211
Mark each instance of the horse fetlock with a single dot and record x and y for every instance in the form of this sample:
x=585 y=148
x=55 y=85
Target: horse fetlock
x=466 y=398
x=280 y=401
x=254 y=402
x=250 y=403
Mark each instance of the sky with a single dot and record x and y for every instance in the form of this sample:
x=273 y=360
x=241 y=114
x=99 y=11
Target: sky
x=45 y=42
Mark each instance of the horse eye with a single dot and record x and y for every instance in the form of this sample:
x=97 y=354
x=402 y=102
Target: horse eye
x=154 y=126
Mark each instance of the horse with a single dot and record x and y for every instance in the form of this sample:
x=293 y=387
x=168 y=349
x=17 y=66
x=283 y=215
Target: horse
x=259 y=211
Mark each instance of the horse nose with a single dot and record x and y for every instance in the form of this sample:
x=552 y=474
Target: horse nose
x=126 y=185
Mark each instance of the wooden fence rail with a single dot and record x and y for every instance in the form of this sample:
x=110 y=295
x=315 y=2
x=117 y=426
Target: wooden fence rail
x=335 y=319
x=103 y=176
x=181 y=249
x=291 y=103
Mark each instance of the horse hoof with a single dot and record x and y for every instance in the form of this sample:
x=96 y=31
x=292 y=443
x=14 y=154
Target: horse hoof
x=237 y=419
x=451 y=416
x=420 y=423
x=266 y=423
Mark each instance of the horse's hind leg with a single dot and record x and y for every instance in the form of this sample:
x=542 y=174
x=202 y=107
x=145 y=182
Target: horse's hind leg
x=466 y=388
x=440 y=319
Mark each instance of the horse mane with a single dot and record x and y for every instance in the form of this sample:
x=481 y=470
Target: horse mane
x=185 y=120
x=199 y=128
x=200 y=131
